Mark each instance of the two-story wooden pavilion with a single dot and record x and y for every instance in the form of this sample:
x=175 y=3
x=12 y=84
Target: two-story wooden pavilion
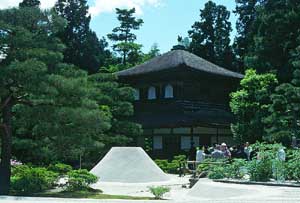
x=181 y=98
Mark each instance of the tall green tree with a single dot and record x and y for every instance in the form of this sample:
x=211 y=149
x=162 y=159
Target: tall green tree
x=22 y=72
x=30 y=3
x=52 y=108
x=276 y=29
x=211 y=35
x=124 y=37
x=246 y=10
x=283 y=121
x=84 y=49
x=250 y=106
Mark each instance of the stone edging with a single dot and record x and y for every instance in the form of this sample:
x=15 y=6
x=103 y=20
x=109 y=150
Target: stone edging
x=258 y=183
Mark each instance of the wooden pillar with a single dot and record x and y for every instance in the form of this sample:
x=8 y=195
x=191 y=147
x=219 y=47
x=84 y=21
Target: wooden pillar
x=218 y=135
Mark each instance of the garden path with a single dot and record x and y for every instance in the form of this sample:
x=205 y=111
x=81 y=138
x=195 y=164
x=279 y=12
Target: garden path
x=205 y=191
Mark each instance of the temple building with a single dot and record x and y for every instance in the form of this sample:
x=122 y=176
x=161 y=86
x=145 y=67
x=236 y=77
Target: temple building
x=181 y=99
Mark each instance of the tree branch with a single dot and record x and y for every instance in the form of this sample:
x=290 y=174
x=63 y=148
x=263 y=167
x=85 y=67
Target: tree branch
x=6 y=101
x=32 y=104
x=4 y=126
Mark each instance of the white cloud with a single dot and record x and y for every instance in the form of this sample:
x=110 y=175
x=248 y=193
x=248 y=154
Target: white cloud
x=13 y=3
x=108 y=6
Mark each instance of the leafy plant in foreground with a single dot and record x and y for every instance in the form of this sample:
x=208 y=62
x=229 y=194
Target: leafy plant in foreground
x=80 y=180
x=159 y=191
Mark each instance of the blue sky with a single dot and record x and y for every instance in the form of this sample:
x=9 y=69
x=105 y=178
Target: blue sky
x=164 y=20
x=162 y=23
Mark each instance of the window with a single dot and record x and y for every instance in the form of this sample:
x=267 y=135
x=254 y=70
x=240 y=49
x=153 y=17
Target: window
x=186 y=142
x=136 y=94
x=157 y=142
x=169 y=91
x=151 y=93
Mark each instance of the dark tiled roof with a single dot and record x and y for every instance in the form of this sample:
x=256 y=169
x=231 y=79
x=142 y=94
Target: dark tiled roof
x=177 y=58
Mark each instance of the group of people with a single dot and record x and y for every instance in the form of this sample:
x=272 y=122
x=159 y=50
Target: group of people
x=220 y=151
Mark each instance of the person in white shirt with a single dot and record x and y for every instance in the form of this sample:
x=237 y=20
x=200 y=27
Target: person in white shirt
x=200 y=156
x=247 y=150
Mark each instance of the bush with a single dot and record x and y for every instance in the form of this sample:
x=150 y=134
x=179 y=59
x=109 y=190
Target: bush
x=217 y=172
x=80 y=180
x=163 y=164
x=173 y=166
x=260 y=170
x=28 y=180
x=159 y=191
x=61 y=169
x=292 y=166
x=235 y=169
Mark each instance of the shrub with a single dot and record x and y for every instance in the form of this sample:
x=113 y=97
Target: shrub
x=28 y=180
x=163 y=164
x=217 y=172
x=278 y=169
x=61 y=169
x=206 y=165
x=292 y=166
x=173 y=166
x=235 y=169
x=260 y=170
x=159 y=191
x=80 y=180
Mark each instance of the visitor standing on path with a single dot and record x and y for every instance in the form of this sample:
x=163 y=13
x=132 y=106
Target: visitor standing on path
x=200 y=155
x=225 y=150
x=247 y=150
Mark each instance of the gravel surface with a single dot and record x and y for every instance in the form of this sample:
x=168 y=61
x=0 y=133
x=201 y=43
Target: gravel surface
x=205 y=191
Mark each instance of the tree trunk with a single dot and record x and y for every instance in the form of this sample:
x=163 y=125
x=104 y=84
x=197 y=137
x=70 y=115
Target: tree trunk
x=6 y=143
x=124 y=58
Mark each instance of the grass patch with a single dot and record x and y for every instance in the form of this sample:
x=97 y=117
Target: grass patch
x=88 y=195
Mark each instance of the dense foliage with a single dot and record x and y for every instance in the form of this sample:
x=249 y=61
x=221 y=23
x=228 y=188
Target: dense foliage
x=275 y=37
x=172 y=166
x=211 y=35
x=83 y=48
x=60 y=168
x=124 y=38
x=250 y=106
x=80 y=180
x=29 y=180
x=265 y=166
x=55 y=111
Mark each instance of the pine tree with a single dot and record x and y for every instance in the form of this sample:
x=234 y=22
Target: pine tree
x=284 y=120
x=45 y=102
x=275 y=32
x=83 y=48
x=124 y=37
x=211 y=35
x=30 y=3
x=247 y=13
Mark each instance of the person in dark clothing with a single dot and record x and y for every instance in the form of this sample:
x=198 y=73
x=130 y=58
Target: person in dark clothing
x=192 y=155
x=234 y=151
x=241 y=154
x=192 y=152
x=206 y=151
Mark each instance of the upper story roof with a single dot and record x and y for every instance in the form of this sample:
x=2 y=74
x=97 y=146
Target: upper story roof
x=178 y=58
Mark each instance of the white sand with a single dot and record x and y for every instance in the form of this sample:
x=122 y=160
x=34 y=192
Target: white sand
x=128 y=165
